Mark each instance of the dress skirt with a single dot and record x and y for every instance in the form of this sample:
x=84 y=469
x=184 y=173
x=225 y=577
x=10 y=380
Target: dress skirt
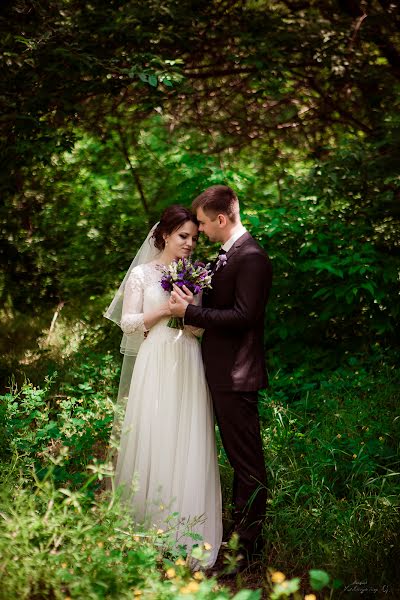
x=167 y=460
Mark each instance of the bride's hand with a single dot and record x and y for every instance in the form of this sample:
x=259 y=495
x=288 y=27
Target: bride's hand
x=166 y=310
x=184 y=293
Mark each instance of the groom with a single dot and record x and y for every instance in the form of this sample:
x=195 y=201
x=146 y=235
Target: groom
x=233 y=351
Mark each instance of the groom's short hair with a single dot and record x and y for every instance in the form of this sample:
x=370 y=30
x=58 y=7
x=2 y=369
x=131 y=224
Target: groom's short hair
x=218 y=199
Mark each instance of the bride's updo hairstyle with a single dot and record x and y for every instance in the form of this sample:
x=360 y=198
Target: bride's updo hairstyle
x=172 y=218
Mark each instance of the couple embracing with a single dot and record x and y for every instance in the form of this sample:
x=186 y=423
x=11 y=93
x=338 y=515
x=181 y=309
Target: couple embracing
x=172 y=387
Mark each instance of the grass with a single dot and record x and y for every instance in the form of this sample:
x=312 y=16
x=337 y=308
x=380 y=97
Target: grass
x=332 y=454
x=334 y=477
x=61 y=543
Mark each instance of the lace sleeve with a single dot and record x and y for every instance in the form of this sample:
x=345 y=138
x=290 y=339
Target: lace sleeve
x=132 y=319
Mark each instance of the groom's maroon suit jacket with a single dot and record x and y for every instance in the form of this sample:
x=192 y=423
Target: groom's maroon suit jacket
x=233 y=318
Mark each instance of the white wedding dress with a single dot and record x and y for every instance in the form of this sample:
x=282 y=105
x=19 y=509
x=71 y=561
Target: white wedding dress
x=167 y=448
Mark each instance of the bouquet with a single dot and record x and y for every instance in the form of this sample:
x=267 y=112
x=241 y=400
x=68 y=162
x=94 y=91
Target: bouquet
x=195 y=276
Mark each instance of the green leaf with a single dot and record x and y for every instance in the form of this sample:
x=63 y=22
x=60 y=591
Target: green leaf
x=355 y=269
x=254 y=220
x=247 y=595
x=283 y=332
x=286 y=588
x=197 y=553
x=318 y=579
x=23 y=40
x=369 y=287
x=324 y=292
x=321 y=266
x=153 y=80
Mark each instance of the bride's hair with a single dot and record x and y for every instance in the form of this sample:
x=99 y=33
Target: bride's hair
x=172 y=218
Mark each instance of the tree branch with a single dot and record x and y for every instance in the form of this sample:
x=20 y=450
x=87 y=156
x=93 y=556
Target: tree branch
x=133 y=171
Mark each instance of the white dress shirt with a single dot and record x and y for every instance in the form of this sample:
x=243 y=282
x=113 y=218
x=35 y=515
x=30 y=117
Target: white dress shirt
x=237 y=233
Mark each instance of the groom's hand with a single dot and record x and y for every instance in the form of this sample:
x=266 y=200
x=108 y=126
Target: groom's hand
x=179 y=301
x=184 y=293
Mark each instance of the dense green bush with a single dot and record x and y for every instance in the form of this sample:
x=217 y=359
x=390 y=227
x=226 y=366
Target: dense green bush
x=76 y=414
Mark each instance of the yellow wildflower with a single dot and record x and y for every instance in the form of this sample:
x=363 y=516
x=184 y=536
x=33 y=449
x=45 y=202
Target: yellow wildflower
x=284 y=585
x=278 y=577
x=100 y=544
x=191 y=587
x=160 y=531
x=64 y=565
x=170 y=573
x=354 y=455
x=381 y=438
x=339 y=435
x=207 y=546
x=180 y=562
x=137 y=593
x=310 y=597
x=198 y=575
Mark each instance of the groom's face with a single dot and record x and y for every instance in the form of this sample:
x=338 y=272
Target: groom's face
x=211 y=227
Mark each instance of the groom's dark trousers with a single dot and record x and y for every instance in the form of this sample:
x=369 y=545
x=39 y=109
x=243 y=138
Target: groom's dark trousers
x=233 y=352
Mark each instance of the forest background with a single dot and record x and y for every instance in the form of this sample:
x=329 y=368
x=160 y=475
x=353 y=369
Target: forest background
x=111 y=111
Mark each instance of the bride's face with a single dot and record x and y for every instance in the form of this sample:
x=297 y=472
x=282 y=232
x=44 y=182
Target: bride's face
x=181 y=242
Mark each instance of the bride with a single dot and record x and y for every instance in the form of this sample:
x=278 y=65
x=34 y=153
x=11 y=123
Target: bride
x=167 y=457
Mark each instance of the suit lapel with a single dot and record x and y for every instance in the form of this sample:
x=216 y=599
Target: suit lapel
x=243 y=238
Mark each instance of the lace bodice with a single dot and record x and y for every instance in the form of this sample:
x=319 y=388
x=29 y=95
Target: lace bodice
x=143 y=293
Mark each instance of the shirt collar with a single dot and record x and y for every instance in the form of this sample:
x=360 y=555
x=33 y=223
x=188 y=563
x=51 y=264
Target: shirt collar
x=237 y=233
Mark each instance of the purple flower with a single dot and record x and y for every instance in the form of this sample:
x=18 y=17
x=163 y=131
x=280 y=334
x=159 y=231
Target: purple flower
x=221 y=262
x=182 y=272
